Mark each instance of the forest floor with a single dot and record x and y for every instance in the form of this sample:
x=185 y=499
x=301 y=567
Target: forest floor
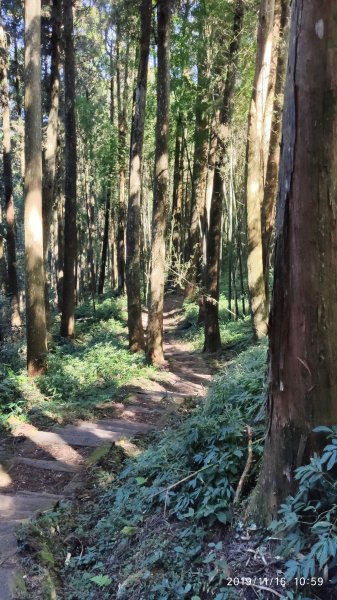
x=41 y=466
x=117 y=480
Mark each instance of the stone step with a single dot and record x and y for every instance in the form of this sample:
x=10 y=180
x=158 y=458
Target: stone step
x=91 y=434
x=110 y=424
x=50 y=465
x=78 y=438
x=24 y=505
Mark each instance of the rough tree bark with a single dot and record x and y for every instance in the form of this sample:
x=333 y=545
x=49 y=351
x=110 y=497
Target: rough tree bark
x=257 y=152
x=154 y=349
x=303 y=329
x=280 y=41
x=35 y=309
x=70 y=230
x=12 y=278
x=133 y=274
x=50 y=151
x=212 y=341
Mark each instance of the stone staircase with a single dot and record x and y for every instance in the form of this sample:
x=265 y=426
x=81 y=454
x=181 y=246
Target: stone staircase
x=63 y=446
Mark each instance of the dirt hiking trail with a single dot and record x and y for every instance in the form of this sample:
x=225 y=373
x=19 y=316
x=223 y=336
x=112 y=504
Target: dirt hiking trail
x=45 y=467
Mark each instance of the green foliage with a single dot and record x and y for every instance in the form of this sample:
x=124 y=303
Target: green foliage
x=307 y=521
x=235 y=335
x=151 y=532
x=11 y=402
x=91 y=369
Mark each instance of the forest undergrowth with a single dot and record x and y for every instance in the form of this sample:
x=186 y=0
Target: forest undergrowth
x=81 y=374
x=155 y=525
x=172 y=521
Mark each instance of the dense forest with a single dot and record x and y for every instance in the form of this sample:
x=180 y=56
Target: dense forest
x=168 y=260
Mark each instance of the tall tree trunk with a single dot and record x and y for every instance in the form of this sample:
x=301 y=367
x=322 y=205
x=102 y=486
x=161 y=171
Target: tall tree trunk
x=12 y=279
x=50 y=151
x=35 y=309
x=70 y=230
x=89 y=205
x=133 y=279
x=257 y=149
x=3 y=269
x=154 y=349
x=200 y=167
x=105 y=243
x=280 y=37
x=205 y=214
x=177 y=198
x=122 y=101
x=60 y=249
x=113 y=248
x=303 y=352
x=213 y=247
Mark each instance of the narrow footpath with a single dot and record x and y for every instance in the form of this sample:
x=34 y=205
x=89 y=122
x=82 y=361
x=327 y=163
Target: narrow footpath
x=48 y=466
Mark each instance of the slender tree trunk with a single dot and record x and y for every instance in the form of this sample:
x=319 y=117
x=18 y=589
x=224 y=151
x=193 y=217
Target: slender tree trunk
x=3 y=269
x=105 y=243
x=177 y=198
x=12 y=279
x=60 y=250
x=133 y=278
x=258 y=142
x=303 y=352
x=122 y=101
x=200 y=167
x=70 y=230
x=154 y=350
x=281 y=20
x=205 y=215
x=35 y=309
x=91 y=259
x=213 y=247
x=113 y=249
x=49 y=155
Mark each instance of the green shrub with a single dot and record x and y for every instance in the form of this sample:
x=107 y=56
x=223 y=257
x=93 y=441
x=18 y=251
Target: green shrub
x=308 y=521
x=150 y=533
x=11 y=401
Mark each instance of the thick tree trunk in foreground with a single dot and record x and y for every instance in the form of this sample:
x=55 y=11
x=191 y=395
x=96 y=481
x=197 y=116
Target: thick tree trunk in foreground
x=70 y=230
x=12 y=279
x=213 y=246
x=281 y=19
x=133 y=275
x=303 y=330
x=49 y=155
x=35 y=309
x=154 y=350
x=257 y=152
